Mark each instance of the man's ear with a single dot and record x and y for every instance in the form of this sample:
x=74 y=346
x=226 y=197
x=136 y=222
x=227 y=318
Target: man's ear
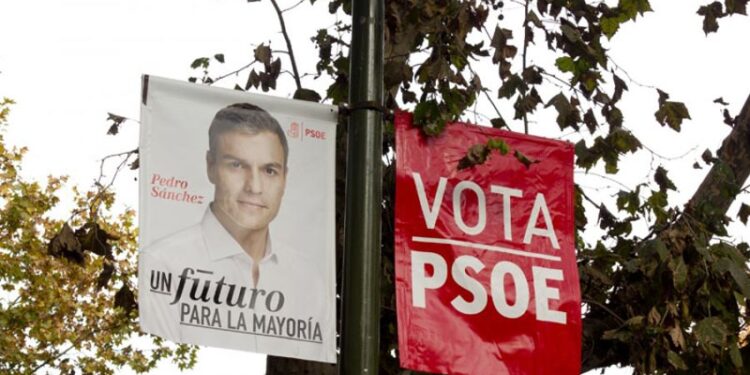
x=210 y=166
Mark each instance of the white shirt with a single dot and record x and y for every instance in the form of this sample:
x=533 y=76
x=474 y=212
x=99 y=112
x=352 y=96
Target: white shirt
x=196 y=287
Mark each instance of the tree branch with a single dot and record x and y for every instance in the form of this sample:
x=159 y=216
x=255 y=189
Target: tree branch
x=709 y=203
x=293 y=6
x=288 y=43
x=98 y=182
x=234 y=71
x=484 y=91
x=734 y=154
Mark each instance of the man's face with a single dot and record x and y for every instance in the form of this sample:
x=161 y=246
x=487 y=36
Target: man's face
x=249 y=175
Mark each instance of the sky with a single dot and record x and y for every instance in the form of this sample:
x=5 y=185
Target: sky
x=69 y=63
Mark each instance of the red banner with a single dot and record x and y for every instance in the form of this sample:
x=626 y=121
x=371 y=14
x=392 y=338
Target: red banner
x=486 y=271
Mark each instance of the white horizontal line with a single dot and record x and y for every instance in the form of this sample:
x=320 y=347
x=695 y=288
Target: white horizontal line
x=499 y=249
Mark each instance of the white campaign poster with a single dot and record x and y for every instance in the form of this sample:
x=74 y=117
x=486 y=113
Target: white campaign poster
x=237 y=220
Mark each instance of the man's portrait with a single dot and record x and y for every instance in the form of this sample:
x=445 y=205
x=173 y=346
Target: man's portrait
x=235 y=221
x=246 y=163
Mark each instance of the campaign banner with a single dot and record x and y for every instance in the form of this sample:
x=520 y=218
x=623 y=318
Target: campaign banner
x=486 y=276
x=237 y=220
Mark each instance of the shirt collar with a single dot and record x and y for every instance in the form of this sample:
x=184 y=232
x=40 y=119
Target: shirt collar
x=220 y=244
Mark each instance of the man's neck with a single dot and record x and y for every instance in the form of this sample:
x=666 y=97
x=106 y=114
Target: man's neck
x=253 y=242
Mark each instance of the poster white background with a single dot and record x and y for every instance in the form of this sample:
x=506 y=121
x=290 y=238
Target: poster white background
x=173 y=144
x=174 y=141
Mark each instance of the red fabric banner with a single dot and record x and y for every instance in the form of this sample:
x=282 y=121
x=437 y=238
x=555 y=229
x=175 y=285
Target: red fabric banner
x=486 y=271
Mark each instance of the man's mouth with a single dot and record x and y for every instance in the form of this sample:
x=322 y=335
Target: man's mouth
x=251 y=204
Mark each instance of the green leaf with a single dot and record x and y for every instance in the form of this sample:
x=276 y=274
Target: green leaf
x=567 y=115
x=201 y=62
x=632 y=8
x=744 y=213
x=253 y=80
x=710 y=331
x=734 y=355
x=511 y=86
x=476 y=155
x=498 y=123
x=565 y=64
x=534 y=19
x=672 y=114
x=571 y=33
x=114 y=129
x=263 y=54
x=736 y=6
x=135 y=164
x=663 y=96
x=635 y=321
x=532 y=75
x=498 y=145
x=710 y=14
x=219 y=57
x=610 y=26
x=527 y=104
x=307 y=95
x=662 y=180
x=395 y=72
x=629 y=201
x=679 y=273
x=499 y=42
x=739 y=274
x=408 y=96
x=675 y=360
x=620 y=86
x=590 y=120
x=658 y=247
x=720 y=100
x=524 y=160
x=339 y=90
x=614 y=117
x=606 y=219
x=428 y=117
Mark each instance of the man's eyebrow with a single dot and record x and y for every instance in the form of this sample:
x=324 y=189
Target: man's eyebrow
x=242 y=161
x=274 y=165
x=229 y=156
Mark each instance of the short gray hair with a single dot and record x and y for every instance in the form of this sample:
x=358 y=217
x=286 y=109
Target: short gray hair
x=245 y=117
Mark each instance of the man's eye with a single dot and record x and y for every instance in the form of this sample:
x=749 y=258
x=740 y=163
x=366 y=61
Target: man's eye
x=272 y=171
x=235 y=164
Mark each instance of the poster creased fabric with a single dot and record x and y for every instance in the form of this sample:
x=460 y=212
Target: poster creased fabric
x=236 y=215
x=486 y=276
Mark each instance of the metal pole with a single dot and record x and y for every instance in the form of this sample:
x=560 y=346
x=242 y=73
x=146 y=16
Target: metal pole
x=361 y=282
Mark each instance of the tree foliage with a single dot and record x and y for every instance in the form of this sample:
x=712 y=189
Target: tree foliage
x=67 y=304
x=669 y=299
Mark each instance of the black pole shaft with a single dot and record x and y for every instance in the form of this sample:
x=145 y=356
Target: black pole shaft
x=361 y=288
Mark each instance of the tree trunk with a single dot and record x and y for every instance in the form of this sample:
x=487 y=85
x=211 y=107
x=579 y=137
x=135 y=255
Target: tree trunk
x=735 y=154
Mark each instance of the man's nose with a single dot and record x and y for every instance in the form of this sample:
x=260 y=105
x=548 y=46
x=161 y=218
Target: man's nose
x=253 y=181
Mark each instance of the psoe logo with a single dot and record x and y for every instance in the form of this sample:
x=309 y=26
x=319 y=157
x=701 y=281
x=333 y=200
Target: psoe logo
x=293 y=131
x=316 y=134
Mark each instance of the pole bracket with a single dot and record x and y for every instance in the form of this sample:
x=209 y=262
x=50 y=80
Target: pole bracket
x=346 y=109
